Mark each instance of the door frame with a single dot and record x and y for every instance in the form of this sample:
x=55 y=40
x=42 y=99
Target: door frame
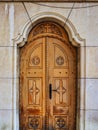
x=75 y=40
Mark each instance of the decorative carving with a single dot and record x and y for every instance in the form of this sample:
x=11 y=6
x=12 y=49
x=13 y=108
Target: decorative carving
x=35 y=60
x=47 y=28
x=38 y=70
x=34 y=123
x=33 y=91
x=60 y=60
x=61 y=123
x=61 y=90
x=55 y=30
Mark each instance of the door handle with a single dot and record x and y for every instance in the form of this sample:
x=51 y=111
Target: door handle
x=50 y=91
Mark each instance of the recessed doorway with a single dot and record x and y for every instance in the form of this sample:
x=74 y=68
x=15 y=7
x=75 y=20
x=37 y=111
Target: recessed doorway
x=48 y=80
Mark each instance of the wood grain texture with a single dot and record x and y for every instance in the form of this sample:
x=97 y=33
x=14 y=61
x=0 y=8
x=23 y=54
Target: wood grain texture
x=47 y=58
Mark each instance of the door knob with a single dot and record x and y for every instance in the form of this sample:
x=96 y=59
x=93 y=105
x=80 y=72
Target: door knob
x=50 y=91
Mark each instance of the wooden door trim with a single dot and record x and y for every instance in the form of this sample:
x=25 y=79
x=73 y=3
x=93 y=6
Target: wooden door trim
x=49 y=35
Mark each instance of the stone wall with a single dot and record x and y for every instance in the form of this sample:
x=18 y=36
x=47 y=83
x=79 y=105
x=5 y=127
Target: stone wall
x=84 y=22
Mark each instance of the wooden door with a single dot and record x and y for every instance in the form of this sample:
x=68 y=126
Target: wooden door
x=47 y=80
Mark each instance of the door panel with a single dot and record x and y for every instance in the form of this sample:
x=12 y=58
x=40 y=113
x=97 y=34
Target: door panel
x=47 y=85
x=62 y=109
x=32 y=82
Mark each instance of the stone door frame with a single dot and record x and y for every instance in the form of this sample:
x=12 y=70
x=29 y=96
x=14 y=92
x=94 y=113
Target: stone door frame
x=75 y=40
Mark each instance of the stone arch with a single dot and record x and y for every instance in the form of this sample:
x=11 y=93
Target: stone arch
x=74 y=36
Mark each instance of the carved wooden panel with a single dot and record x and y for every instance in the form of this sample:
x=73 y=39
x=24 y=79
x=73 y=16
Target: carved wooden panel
x=61 y=68
x=47 y=28
x=60 y=123
x=47 y=61
x=61 y=95
x=34 y=91
x=35 y=59
x=31 y=86
x=60 y=56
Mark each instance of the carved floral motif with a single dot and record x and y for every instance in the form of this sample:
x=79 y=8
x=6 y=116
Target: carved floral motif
x=60 y=123
x=47 y=28
x=60 y=60
x=35 y=60
x=34 y=123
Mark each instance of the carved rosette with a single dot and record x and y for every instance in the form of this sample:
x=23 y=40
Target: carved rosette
x=34 y=123
x=61 y=123
x=35 y=60
x=60 y=60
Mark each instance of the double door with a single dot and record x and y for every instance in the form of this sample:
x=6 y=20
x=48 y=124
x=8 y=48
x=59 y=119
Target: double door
x=47 y=85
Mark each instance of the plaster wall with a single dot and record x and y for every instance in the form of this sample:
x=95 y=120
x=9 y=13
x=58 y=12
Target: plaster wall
x=13 y=17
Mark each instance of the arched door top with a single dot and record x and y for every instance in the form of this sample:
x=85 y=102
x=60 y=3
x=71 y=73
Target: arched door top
x=74 y=36
x=48 y=29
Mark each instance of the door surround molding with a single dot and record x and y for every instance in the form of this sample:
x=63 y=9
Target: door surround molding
x=74 y=36
x=75 y=40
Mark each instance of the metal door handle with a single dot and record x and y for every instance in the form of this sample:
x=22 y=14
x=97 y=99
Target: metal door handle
x=50 y=91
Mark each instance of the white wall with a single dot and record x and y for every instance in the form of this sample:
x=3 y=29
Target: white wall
x=12 y=19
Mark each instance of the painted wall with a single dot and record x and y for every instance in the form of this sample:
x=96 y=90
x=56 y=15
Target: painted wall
x=13 y=17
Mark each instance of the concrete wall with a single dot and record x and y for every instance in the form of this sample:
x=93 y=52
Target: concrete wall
x=13 y=17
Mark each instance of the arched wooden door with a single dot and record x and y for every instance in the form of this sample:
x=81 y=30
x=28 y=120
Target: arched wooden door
x=47 y=80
